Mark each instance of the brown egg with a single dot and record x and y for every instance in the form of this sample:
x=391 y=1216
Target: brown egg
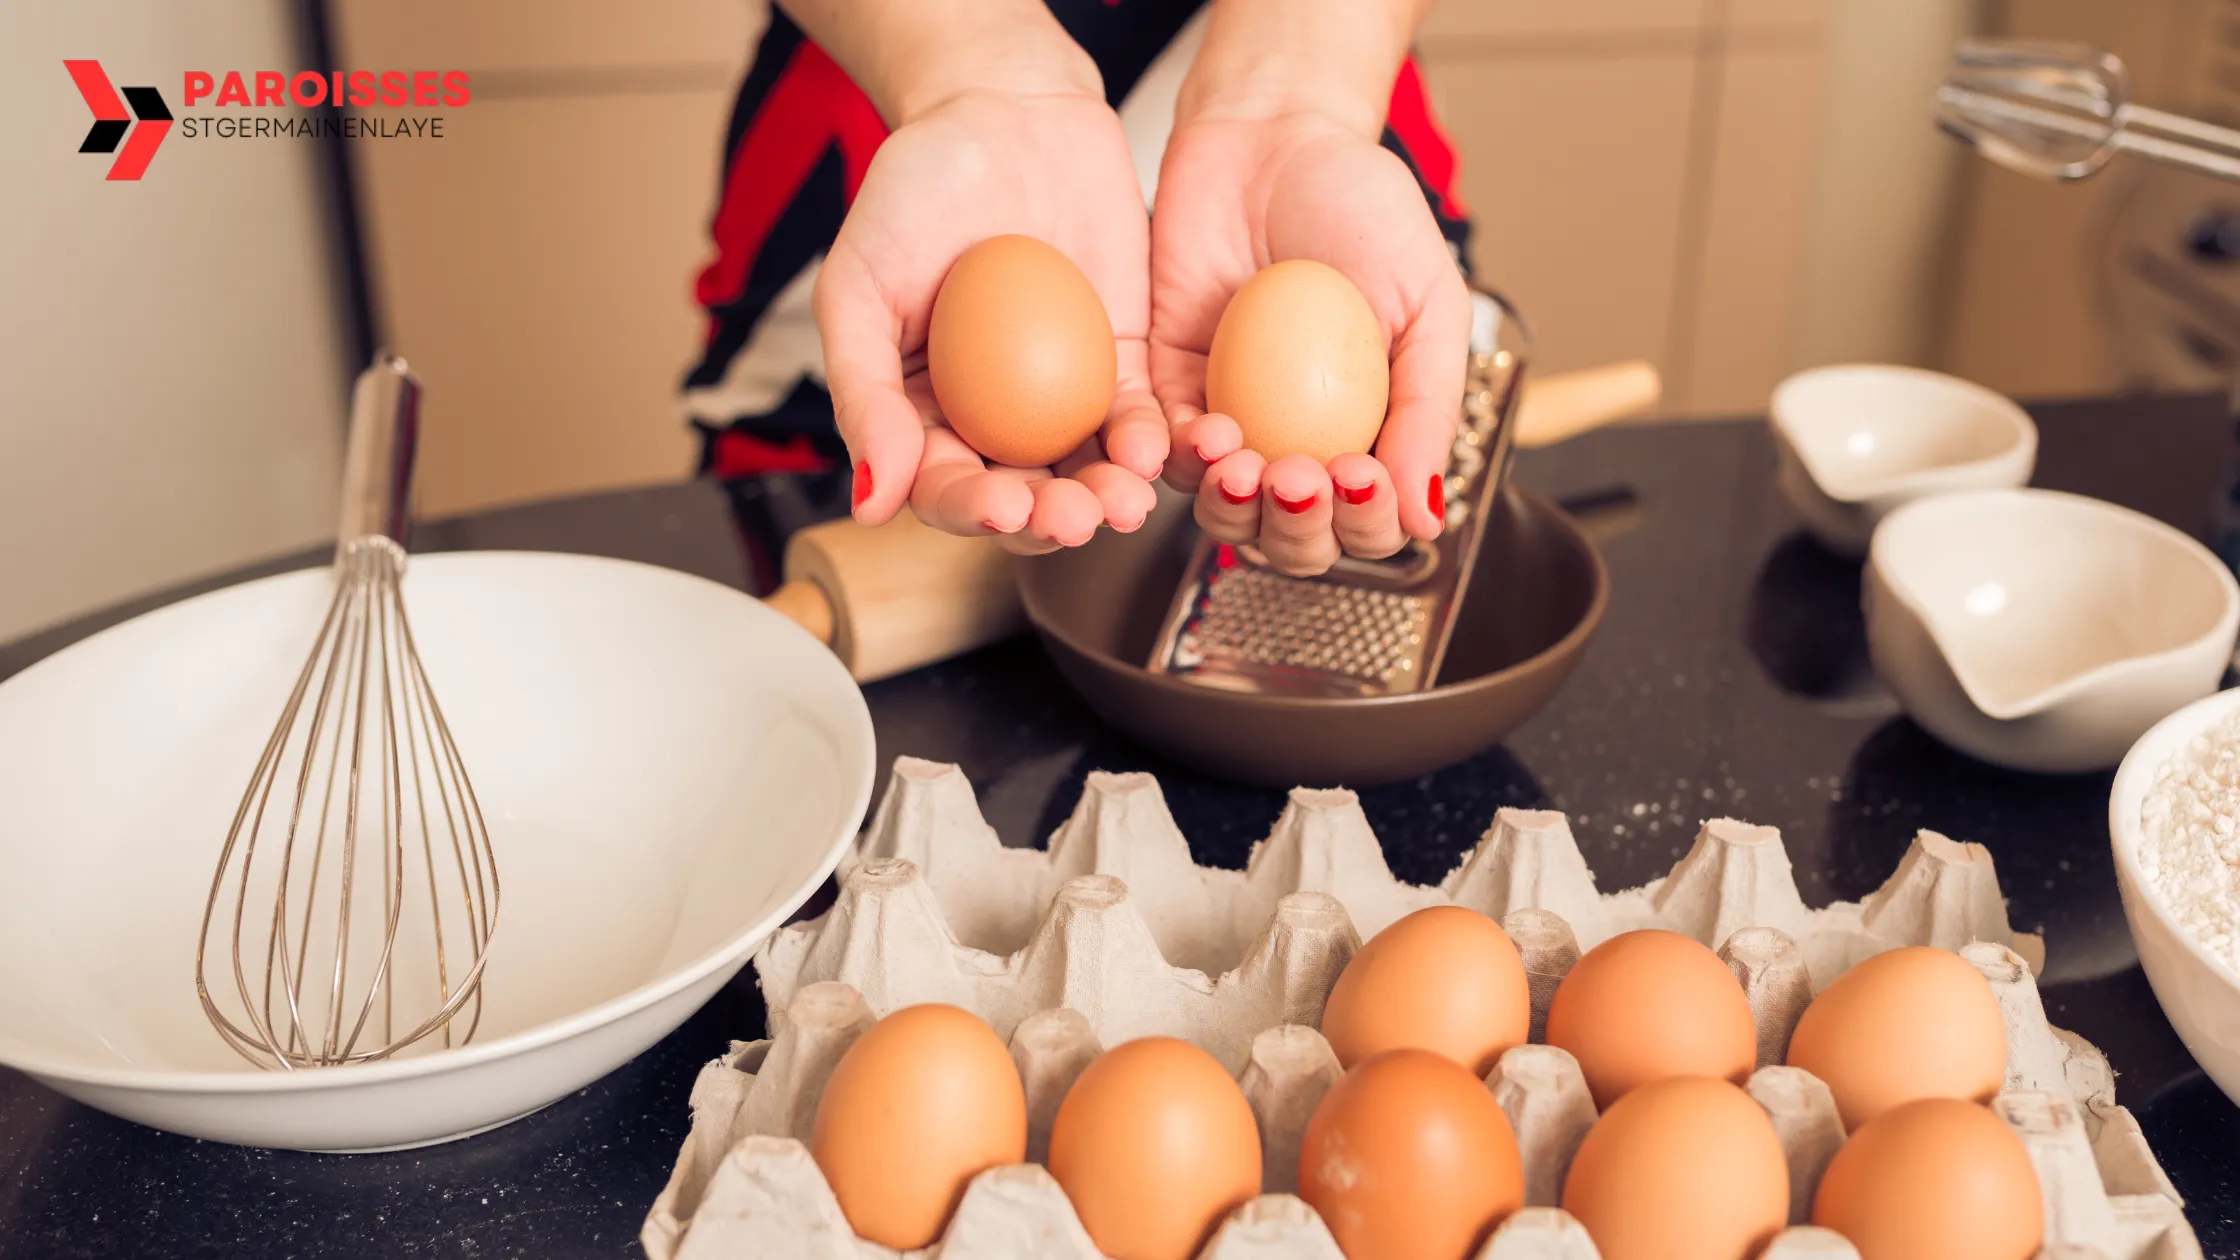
x=1408 y=1157
x=1443 y=979
x=1298 y=361
x=1650 y=1004
x=1155 y=1145
x=1021 y=352
x=924 y=1101
x=1933 y=1179
x=1911 y=1023
x=1686 y=1168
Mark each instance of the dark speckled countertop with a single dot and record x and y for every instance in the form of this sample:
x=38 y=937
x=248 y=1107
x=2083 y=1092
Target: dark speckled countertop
x=1730 y=678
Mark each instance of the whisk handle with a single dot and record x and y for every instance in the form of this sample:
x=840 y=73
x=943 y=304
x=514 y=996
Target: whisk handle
x=377 y=468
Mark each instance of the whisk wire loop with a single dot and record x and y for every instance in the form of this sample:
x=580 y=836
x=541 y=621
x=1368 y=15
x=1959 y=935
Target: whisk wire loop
x=375 y=781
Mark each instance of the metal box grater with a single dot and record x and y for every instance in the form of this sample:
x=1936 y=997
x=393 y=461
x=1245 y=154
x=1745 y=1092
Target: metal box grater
x=1366 y=627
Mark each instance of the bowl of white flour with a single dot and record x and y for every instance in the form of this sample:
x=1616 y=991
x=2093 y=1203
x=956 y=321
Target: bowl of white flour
x=2175 y=820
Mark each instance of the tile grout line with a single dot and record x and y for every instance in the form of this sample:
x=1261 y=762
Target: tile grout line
x=1695 y=206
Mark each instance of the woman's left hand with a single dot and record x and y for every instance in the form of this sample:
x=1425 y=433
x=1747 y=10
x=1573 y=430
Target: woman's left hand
x=1275 y=156
x=1237 y=194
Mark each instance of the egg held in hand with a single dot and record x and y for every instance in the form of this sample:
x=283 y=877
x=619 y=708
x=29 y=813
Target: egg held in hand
x=1445 y=979
x=1298 y=361
x=1156 y=1146
x=1651 y=1004
x=1933 y=1179
x=1908 y=1023
x=1685 y=1168
x=924 y=1101
x=1409 y=1157
x=1020 y=352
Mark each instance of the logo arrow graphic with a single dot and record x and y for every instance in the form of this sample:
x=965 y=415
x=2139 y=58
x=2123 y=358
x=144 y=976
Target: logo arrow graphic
x=111 y=120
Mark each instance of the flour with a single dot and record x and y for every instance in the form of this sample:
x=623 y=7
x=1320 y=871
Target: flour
x=2189 y=845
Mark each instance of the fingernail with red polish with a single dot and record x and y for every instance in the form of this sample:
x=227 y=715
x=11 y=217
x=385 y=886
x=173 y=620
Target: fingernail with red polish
x=1295 y=506
x=1357 y=495
x=1437 y=498
x=1203 y=458
x=863 y=483
x=1232 y=496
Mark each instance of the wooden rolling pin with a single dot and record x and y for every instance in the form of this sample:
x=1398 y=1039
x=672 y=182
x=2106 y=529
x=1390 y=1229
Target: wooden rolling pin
x=1561 y=407
x=905 y=594
x=891 y=599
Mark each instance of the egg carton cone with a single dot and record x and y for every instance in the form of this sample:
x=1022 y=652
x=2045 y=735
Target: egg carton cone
x=933 y=908
x=979 y=919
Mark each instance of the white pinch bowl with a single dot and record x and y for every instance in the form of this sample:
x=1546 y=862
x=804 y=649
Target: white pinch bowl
x=668 y=770
x=2199 y=993
x=1858 y=441
x=2044 y=631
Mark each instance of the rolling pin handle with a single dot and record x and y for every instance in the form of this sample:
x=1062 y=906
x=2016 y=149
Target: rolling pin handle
x=1564 y=406
x=803 y=602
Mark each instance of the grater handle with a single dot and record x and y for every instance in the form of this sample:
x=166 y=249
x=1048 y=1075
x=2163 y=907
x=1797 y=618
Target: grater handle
x=384 y=437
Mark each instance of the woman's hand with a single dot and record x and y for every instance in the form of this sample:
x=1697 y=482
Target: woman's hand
x=1275 y=156
x=1043 y=155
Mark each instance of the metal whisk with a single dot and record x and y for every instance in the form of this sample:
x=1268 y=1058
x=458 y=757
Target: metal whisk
x=360 y=778
x=2063 y=111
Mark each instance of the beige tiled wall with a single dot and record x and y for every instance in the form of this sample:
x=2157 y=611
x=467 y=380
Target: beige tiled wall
x=1738 y=340
x=2021 y=315
x=1737 y=188
x=536 y=265
x=1526 y=19
x=1574 y=170
x=1751 y=14
x=554 y=35
x=1641 y=172
x=175 y=371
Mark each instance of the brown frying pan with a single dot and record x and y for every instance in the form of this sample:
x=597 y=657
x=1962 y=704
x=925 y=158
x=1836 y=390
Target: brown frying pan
x=1531 y=606
x=1538 y=594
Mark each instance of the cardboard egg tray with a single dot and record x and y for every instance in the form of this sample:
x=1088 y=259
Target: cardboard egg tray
x=1112 y=933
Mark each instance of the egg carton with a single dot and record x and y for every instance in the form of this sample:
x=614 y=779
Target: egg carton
x=1112 y=933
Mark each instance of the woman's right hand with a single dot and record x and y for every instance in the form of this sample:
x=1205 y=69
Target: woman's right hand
x=1048 y=161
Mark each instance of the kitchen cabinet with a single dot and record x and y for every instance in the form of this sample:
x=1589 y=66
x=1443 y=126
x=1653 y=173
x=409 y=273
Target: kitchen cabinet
x=1575 y=171
x=1751 y=15
x=1548 y=20
x=581 y=40
x=536 y=264
x=1642 y=174
x=2028 y=310
x=1758 y=198
x=535 y=267
x=175 y=356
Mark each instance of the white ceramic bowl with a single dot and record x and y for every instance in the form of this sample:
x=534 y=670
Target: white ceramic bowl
x=668 y=770
x=2040 y=630
x=1857 y=441
x=2199 y=993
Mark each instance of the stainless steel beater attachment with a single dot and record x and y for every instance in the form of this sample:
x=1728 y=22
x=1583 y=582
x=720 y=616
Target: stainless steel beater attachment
x=357 y=890
x=2063 y=111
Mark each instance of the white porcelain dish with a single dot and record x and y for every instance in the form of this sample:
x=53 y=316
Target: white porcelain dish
x=2044 y=631
x=2200 y=994
x=668 y=768
x=1858 y=441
